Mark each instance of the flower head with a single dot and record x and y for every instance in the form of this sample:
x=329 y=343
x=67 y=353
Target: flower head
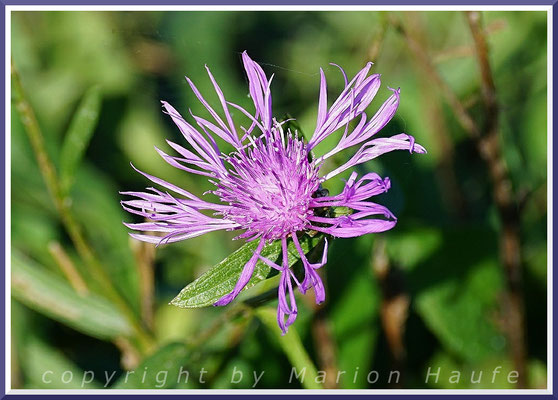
x=269 y=187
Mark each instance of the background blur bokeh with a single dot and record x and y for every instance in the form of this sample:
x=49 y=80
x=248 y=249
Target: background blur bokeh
x=430 y=293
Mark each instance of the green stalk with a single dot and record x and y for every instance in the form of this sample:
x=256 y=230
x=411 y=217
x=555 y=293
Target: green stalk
x=63 y=203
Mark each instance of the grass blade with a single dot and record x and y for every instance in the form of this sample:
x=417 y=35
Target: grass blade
x=48 y=294
x=79 y=134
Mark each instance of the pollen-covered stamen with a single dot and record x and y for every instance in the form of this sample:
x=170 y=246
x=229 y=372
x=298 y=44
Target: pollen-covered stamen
x=270 y=185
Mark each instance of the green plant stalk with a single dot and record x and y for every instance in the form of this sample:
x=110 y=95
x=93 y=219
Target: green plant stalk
x=63 y=205
x=247 y=307
x=292 y=346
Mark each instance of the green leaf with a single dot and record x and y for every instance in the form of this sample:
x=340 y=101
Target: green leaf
x=221 y=279
x=457 y=293
x=161 y=369
x=462 y=313
x=292 y=347
x=79 y=134
x=48 y=294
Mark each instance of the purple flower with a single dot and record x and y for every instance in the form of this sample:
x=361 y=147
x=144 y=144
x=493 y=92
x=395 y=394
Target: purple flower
x=270 y=186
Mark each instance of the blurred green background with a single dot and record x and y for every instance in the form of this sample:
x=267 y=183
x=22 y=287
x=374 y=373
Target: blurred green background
x=429 y=293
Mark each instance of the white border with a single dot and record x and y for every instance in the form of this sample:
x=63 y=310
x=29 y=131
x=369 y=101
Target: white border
x=549 y=203
x=7 y=232
x=278 y=8
x=282 y=391
x=7 y=199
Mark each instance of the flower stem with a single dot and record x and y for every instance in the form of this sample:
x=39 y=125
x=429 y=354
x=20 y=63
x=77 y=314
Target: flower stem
x=63 y=206
x=144 y=254
x=68 y=268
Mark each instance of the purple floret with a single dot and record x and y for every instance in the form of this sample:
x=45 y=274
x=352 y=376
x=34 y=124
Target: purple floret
x=267 y=186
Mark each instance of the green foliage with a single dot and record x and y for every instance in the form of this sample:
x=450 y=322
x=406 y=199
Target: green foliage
x=454 y=375
x=293 y=348
x=78 y=136
x=457 y=293
x=50 y=295
x=95 y=191
x=221 y=279
x=61 y=373
x=443 y=255
x=160 y=370
x=357 y=333
x=462 y=312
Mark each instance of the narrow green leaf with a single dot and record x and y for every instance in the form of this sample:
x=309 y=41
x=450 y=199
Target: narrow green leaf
x=292 y=347
x=159 y=371
x=46 y=293
x=221 y=278
x=79 y=134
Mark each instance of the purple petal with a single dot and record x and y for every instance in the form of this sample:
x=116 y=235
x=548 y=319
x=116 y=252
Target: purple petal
x=353 y=193
x=232 y=129
x=356 y=228
x=228 y=134
x=175 y=162
x=352 y=102
x=311 y=277
x=377 y=147
x=364 y=130
x=196 y=139
x=244 y=278
x=322 y=105
x=342 y=72
x=259 y=90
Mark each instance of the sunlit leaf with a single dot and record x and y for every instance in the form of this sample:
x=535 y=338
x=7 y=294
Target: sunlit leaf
x=50 y=295
x=221 y=278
